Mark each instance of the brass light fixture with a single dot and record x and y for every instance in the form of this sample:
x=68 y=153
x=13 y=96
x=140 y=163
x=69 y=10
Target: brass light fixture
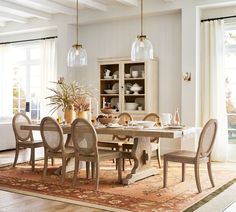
x=77 y=55
x=141 y=48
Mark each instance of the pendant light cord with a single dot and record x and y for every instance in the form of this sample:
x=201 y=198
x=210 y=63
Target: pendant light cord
x=141 y=17
x=77 y=22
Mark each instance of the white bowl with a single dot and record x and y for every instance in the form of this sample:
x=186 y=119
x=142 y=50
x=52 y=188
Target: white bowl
x=109 y=91
x=136 y=88
x=134 y=74
x=145 y=124
x=127 y=75
x=131 y=106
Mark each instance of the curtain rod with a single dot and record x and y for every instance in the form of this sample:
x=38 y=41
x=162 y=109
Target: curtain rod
x=20 y=41
x=219 y=18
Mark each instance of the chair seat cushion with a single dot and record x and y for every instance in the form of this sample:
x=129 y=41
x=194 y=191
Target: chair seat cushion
x=34 y=143
x=181 y=156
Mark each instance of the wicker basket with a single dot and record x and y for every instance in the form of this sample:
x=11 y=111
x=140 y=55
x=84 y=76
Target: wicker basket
x=106 y=120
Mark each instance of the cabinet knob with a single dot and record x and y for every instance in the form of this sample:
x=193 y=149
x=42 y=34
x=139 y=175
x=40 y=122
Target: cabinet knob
x=122 y=86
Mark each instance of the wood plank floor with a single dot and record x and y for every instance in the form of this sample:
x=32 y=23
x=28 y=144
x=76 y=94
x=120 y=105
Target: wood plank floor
x=18 y=202
x=12 y=202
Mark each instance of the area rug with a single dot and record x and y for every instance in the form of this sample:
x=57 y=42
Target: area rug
x=144 y=195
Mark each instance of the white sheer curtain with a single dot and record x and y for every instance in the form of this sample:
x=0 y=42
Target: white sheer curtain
x=6 y=101
x=213 y=83
x=49 y=72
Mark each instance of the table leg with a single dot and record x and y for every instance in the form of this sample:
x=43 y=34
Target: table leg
x=141 y=153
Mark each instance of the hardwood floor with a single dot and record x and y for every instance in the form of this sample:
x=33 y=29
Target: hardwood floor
x=10 y=201
x=18 y=202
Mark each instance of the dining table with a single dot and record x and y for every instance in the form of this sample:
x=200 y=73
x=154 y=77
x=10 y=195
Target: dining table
x=141 y=150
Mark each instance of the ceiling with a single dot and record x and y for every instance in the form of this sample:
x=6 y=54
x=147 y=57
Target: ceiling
x=22 y=11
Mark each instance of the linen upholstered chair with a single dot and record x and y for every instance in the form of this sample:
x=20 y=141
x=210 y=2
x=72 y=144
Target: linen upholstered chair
x=203 y=154
x=119 y=140
x=85 y=141
x=24 y=138
x=54 y=146
x=155 y=142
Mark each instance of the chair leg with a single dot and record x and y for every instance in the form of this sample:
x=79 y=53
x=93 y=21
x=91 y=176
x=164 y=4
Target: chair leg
x=63 y=170
x=52 y=161
x=183 y=172
x=32 y=158
x=210 y=173
x=158 y=157
x=93 y=169
x=97 y=175
x=119 y=165
x=165 y=173
x=196 y=170
x=16 y=155
x=45 y=167
x=87 y=169
x=76 y=170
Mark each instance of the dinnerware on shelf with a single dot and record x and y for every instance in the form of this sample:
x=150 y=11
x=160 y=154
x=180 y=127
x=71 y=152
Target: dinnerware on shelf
x=107 y=77
x=127 y=75
x=136 y=88
x=131 y=106
x=107 y=72
x=115 y=86
x=134 y=74
x=111 y=91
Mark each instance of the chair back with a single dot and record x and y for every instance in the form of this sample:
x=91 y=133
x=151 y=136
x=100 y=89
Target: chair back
x=18 y=120
x=207 y=139
x=151 y=117
x=52 y=135
x=84 y=137
x=124 y=119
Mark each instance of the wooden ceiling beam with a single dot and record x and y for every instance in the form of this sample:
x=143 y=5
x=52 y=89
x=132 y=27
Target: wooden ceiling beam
x=129 y=2
x=56 y=6
x=11 y=17
x=31 y=11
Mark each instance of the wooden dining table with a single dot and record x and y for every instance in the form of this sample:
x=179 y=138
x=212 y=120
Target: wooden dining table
x=141 y=151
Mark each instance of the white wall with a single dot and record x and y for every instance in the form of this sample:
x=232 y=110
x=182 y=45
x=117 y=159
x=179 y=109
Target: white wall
x=114 y=39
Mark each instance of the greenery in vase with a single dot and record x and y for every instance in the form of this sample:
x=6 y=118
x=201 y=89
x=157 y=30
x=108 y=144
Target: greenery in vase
x=69 y=94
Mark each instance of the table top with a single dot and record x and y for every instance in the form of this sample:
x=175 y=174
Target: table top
x=128 y=131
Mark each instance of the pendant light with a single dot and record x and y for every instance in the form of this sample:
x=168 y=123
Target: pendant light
x=141 y=48
x=77 y=55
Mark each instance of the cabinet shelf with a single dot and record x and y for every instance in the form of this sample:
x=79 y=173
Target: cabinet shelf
x=147 y=78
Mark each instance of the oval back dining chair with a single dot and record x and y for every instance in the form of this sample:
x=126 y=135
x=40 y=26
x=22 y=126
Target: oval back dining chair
x=203 y=154
x=85 y=141
x=54 y=146
x=24 y=138
x=119 y=140
x=155 y=142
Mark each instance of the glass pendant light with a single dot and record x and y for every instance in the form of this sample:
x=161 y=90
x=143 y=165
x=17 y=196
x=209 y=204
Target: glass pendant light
x=77 y=55
x=141 y=48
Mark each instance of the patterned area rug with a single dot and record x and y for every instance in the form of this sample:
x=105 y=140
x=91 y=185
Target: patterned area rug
x=144 y=195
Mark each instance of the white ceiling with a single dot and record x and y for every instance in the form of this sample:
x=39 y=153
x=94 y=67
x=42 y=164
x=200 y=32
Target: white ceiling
x=21 y=11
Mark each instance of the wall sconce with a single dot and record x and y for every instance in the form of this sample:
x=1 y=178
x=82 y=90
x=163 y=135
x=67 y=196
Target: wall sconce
x=187 y=76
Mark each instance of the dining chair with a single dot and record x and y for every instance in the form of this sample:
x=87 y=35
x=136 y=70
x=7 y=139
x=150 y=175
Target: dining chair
x=85 y=142
x=24 y=138
x=203 y=154
x=54 y=146
x=118 y=140
x=155 y=142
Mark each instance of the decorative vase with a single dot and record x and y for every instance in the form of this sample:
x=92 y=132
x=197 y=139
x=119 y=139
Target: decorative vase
x=68 y=114
x=82 y=115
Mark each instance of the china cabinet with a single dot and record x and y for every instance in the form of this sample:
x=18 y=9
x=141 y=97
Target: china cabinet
x=128 y=86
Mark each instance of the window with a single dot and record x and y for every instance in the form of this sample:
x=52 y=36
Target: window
x=230 y=81
x=27 y=78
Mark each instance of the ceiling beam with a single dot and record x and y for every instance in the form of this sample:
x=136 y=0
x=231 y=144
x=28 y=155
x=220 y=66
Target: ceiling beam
x=129 y=2
x=2 y=23
x=12 y=17
x=31 y=11
x=56 y=6
x=92 y=4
